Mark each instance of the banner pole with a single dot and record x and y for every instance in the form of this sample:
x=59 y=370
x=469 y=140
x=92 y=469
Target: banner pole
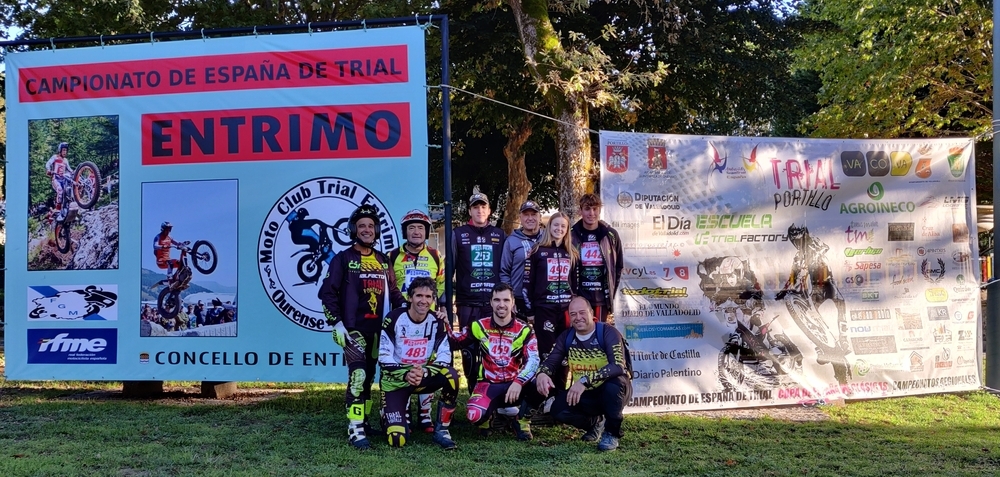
x=992 y=318
x=449 y=262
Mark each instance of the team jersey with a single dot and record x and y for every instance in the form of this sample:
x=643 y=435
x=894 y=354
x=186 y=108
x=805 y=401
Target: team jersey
x=405 y=344
x=408 y=266
x=477 y=263
x=550 y=277
x=57 y=165
x=510 y=354
x=161 y=246
x=359 y=290
x=587 y=357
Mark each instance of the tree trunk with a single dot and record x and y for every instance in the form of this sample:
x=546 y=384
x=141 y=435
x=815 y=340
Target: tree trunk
x=517 y=175
x=543 y=53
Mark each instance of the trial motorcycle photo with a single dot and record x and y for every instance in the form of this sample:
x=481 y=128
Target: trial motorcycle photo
x=756 y=355
x=84 y=182
x=204 y=259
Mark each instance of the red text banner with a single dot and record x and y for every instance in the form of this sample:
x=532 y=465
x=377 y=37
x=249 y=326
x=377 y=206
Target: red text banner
x=273 y=134
x=247 y=71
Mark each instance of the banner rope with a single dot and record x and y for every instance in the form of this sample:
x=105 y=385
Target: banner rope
x=550 y=118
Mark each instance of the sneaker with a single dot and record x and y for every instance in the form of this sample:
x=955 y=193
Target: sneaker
x=595 y=432
x=443 y=439
x=608 y=442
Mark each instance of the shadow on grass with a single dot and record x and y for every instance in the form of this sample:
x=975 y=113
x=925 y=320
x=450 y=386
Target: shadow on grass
x=57 y=432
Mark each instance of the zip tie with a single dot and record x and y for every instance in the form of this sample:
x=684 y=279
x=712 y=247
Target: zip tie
x=364 y=26
x=52 y=41
x=151 y=39
x=202 y=34
x=255 y=31
x=310 y=27
x=102 y=41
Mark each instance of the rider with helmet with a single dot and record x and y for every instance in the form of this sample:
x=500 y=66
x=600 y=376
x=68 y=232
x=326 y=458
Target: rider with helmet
x=161 y=249
x=57 y=167
x=811 y=274
x=304 y=230
x=356 y=294
x=415 y=259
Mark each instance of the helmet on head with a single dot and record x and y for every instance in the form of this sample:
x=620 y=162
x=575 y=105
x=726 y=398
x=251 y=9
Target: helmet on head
x=302 y=212
x=61 y=146
x=364 y=211
x=416 y=216
x=797 y=234
x=166 y=225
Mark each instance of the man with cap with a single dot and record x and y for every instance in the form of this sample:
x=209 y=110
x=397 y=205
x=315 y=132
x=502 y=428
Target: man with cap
x=516 y=249
x=415 y=259
x=356 y=294
x=477 y=248
x=601 y=261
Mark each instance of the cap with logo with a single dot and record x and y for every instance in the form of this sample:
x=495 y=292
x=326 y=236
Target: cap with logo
x=478 y=197
x=529 y=205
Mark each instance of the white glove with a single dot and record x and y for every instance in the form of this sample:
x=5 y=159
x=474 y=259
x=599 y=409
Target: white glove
x=340 y=334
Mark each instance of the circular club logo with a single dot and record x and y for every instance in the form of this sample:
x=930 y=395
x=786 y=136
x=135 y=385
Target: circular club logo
x=305 y=228
x=625 y=200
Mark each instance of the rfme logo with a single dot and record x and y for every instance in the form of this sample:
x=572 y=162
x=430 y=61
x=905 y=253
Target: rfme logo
x=73 y=346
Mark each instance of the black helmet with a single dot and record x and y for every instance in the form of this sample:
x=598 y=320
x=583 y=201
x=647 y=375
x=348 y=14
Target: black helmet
x=166 y=225
x=364 y=211
x=797 y=234
x=302 y=212
x=61 y=146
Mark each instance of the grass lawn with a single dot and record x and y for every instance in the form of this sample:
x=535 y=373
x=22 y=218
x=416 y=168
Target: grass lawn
x=78 y=428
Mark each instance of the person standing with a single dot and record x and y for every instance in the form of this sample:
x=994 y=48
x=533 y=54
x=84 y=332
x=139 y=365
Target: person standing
x=516 y=249
x=415 y=259
x=550 y=280
x=510 y=359
x=356 y=294
x=415 y=357
x=595 y=355
x=477 y=270
x=600 y=249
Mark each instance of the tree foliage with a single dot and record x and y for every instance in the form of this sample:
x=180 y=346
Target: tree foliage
x=94 y=139
x=899 y=68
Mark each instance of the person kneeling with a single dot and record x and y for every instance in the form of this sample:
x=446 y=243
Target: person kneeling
x=416 y=358
x=509 y=360
x=601 y=386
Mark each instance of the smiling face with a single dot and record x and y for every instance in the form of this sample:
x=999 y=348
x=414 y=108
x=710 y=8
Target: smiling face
x=415 y=234
x=366 y=231
x=529 y=222
x=421 y=301
x=591 y=216
x=480 y=213
x=581 y=316
x=557 y=229
x=503 y=303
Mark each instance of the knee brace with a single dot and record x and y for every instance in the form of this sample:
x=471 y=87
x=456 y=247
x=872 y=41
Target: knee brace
x=396 y=436
x=476 y=408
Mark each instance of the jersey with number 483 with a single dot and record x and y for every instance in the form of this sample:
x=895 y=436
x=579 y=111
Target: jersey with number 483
x=405 y=344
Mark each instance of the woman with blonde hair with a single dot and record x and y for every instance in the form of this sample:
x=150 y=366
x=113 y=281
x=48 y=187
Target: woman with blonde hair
x=550 y=280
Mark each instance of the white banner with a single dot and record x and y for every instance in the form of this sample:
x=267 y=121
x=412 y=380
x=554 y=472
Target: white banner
x=766 y=271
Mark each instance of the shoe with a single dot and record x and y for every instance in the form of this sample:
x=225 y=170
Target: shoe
x=486 y=428
x=522 y=429
x=595 y=432
x=356 y=436
x=608 y=442
x=443 y=438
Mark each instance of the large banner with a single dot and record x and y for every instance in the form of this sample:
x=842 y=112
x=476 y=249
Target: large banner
x=230 y=164
x=777 y=271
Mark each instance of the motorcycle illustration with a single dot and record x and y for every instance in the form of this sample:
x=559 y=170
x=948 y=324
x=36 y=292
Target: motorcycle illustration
x=755 y=355
x=84 y=182
x=204 y=259
x=809 y=285
x=310 y=265
x=315 y=235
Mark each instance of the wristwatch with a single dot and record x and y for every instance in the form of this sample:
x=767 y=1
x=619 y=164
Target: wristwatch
x=584 y=381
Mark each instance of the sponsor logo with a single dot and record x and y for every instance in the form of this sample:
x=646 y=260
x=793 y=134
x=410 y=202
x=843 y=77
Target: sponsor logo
x=937 y=313
x=916 y=362
x=617 y=158
x=72 y=303
x=963 y=362
x=851 y=252
x=966 y=335
x=750 y=163
x=330 y=200
x=642 y=201
x=869 y=295
x=625 y=200
x=943 y=359
x=931 y=273
x=901 y=231
x=657 y=154
x=957 y=162
x=718 y=162
x=864 y=345
x=670 y=225
x=658 y=355
x=923 y=168
x=795 y=174
x=859 y=236
x=144 y=357
x=960 y=256
x=908 y=320
x=672 y=292
x=73 y=346
x=921 y=251
x=745 y=221
x=625 y=225
x=876 y=191
x=862 y=367
x=900 y=163
x=870 y=314
x=941 y=333
x=936 y=295
x=676 y=330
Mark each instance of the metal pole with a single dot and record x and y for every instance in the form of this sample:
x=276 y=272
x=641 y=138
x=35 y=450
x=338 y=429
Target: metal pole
x=449 y=259
x=992 y=318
